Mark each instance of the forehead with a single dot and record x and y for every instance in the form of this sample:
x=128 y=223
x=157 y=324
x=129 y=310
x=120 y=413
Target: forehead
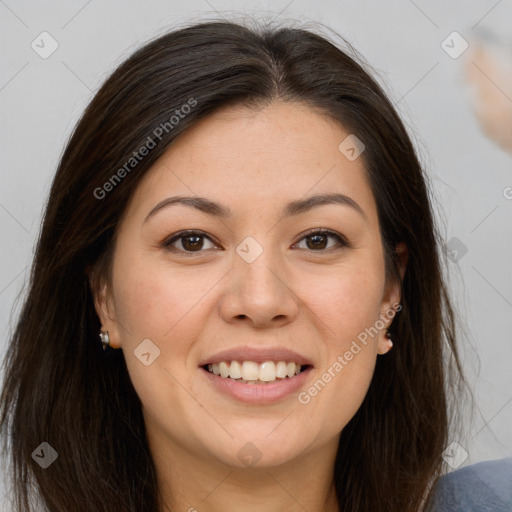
x=248 y=158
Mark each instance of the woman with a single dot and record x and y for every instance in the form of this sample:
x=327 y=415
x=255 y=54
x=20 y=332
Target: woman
x=240 y=216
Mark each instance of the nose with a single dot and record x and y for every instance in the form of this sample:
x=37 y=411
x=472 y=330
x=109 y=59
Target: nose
x=259 y=293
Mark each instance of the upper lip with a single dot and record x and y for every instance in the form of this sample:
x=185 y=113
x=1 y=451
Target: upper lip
x=258 y=355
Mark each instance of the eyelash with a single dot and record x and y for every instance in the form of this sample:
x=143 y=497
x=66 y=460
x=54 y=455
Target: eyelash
x=342 y=241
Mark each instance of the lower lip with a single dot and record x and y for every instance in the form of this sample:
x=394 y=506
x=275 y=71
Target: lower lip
x=258 y=393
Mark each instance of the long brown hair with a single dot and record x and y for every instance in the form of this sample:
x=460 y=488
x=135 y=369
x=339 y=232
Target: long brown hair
x=60 y=389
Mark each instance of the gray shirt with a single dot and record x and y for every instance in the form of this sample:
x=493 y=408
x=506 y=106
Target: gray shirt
x=482 y=487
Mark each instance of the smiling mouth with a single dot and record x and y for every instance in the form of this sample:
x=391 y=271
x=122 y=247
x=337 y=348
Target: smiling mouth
x=251 y=372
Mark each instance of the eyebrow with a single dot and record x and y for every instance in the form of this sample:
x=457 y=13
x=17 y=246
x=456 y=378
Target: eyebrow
x=293 y=208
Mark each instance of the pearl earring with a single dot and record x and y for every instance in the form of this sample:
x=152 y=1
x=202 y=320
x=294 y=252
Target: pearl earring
x=389 y=342
x=105 y=339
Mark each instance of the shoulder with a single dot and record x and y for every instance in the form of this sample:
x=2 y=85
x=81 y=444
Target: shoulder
x=483 y=487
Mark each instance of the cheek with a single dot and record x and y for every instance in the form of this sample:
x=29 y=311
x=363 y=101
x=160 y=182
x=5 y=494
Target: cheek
x=348 y=304
x=338 y=400
x=162 y=305
x=154 y=301
x=170 y=307
x=348 y=301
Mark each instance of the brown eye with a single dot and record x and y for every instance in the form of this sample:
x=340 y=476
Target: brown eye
x=188 y=241
x=319 y=240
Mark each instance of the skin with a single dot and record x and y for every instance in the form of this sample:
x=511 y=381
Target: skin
x=491 y=81
x=314 y=301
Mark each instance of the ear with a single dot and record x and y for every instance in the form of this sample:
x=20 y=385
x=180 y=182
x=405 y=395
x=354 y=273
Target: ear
x=101 y=291
x=391 y=298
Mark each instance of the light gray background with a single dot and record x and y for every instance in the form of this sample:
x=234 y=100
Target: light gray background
x=41 y=100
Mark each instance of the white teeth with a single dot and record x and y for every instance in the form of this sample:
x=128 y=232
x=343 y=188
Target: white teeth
x=224 y=369
x=267 y=371
x=281 y=370
x=251 y=372
x=235 y=370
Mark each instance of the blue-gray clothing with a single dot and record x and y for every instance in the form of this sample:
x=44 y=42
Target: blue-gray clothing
x=482 y=487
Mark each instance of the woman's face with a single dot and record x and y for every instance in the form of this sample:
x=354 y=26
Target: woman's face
x=256 y=282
